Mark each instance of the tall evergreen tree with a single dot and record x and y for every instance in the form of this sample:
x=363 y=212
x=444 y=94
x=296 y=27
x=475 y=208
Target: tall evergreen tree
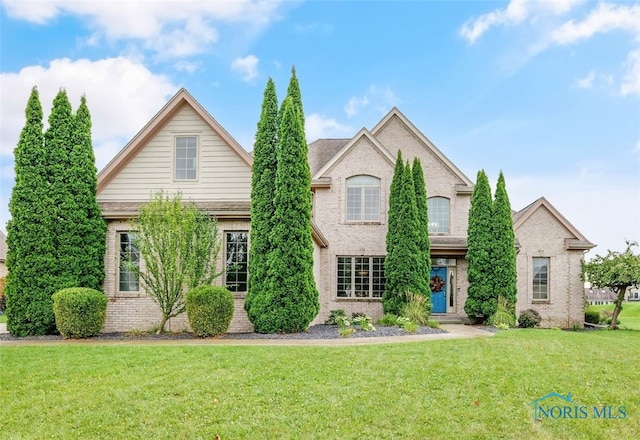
x=403 y=271
x=504 y=275
x=424 y=243
x=293 y=91
x=480 y=296
x=31 y=257
x=292 y=301
x=85 y=229
x=263 y=188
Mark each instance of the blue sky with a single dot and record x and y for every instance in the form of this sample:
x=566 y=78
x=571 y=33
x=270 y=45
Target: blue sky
x=546 y=91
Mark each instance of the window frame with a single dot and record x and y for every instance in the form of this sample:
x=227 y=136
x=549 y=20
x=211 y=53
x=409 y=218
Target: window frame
x=537 y=293
x=123 y=271
x=364 y=196
x=353 y=278
x=234 y=286
x=431 y=209
x=176 y=159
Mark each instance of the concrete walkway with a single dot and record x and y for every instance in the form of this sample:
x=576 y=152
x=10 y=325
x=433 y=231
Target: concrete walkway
x=455 y=331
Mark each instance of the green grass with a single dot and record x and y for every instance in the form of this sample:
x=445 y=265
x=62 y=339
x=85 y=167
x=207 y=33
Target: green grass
x=458 y=389
x=629 y=317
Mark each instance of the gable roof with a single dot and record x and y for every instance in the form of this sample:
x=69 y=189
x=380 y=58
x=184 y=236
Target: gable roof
x=580 y=242
x=395 y=113
x=322 y=150
x=182 y=97
x=363 y=133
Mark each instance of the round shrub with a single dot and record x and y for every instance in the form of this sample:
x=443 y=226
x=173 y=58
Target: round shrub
x=209 y=309
x=529 y=318
x=80 y=312
x=592 y=316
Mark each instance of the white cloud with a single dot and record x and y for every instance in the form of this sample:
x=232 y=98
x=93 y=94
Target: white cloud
x=631 y=81
x=587 y=81
x=176 y=28
x=187 y=66
x=318 y=126
x=247 y=67
x=354 y=105
x=122 y=96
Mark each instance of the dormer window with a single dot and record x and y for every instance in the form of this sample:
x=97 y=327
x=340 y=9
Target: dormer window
x=363 y=199
x=186 y=158
x=438 y=211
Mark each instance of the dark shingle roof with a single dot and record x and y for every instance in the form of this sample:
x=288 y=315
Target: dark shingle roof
x=322 y=150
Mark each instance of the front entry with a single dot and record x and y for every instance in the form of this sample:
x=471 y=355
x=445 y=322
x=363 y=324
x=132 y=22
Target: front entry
x=438 y=285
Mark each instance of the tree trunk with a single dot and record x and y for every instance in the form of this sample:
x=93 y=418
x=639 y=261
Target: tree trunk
x=618 y=307
x=163 y=322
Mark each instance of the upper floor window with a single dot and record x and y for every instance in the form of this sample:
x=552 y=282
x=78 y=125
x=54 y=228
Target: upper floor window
x=186 y=157
x=129 y=254
x=438 y=210
x=363 y=199
x=540 y=278
x=237 y=260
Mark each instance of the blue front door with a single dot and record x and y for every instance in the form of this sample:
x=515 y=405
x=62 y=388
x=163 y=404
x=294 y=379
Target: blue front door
x=438 y=286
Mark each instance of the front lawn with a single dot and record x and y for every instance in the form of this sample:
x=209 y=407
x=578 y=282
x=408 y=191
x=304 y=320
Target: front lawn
x=460 y=389
x=629 y=317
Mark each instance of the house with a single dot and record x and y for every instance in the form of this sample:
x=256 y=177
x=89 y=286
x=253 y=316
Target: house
x=598 y=297
x=633 y=294
x=183 y=148
x=3 y=255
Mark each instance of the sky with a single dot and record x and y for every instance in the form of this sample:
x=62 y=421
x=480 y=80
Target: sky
x=546 y=91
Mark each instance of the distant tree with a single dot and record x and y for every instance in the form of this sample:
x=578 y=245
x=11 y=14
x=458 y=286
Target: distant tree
x=263 y=188
x=481 y=300
x=85 y=231
x=180 y=246
x=404 y=265
x=292 y=301
x=424 y=243
x=31 y=254
x=617 y=271
x=503 y=250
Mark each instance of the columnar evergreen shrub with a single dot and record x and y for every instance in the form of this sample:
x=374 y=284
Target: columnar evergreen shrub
x=529 y=318
x=80 y=312
x=504 y=274
x=31 y=255
x=209 y=310
x=424 y=243
x=481 y=300
x=263 y=188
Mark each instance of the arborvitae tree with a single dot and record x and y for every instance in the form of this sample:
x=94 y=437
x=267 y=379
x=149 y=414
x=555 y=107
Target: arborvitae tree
x=481 y=300
x=31 y=256
x=403 y=271
x=85 y=229
x=263 y=188
x=424 y=244
x=292 y=301
x=293 y=91
x=503 y=251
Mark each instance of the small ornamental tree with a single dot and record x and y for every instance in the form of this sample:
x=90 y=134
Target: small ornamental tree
x=424 y=243
x=263 y=188
x=503 y=250
x=481 y=300
x=31 y=256
x=292 y=301
x=617 y=271
x=180 y=246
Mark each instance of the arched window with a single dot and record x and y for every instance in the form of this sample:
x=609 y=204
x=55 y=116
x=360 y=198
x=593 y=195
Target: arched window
x=438 y=211
x=363 y=199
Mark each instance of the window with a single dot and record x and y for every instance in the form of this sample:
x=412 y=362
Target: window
x=237 y=268
x=540 y=279
x=438 y=210
x=360 y=277
x=186 y=157
x=128 y=279
x=363 y=199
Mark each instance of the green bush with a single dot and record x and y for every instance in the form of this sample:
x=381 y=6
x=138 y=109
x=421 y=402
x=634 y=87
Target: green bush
x=417 y=308
x=209 y=309
x=335 y=316
x=529 y=318
x=504 y=314
x=592 y=316
x=388 y=320
x=79 y=312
